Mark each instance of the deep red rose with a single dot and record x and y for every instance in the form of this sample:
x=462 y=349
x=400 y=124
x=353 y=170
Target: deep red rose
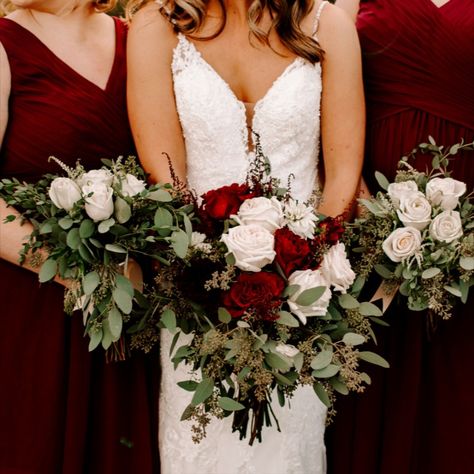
x=292 y=251
x=222 y=202
x=331 y=229
x=260 y=292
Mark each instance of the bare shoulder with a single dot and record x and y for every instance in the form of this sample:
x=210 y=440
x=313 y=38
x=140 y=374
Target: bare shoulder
x=149 y=26
x=351 y=7
x=337 y=30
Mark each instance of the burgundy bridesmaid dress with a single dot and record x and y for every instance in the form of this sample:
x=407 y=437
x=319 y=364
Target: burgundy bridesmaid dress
x=62 y=409
x=418 y=416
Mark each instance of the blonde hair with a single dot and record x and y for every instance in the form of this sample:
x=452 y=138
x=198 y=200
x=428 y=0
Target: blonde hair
x=7 y=7
x=188 y=16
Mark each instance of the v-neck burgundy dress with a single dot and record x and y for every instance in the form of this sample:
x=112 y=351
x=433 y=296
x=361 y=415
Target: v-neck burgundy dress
x=418 y=416
x=62 y=409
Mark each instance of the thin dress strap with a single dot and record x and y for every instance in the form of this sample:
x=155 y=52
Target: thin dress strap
x=318 y=16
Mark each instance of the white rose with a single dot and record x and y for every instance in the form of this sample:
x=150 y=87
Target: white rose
x=336 y=268
x=300 y=219
x=64 y=193
x=265 y=212
x=100 y=205
x=445 y=192
x=102 y=176
x=251 y=245
x=131 y=185
x=402 y=243
x=397 y=190
x=446 y=226
x=287 y=350
x=307 y=279
x=414 y=210
x=197 y=242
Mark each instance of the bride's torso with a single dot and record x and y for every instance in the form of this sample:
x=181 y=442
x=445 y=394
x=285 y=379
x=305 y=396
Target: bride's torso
x=216 y=123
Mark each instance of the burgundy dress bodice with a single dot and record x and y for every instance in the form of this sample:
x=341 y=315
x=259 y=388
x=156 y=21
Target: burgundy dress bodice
x=417 y=416
x=56 y=111
x=63 y=410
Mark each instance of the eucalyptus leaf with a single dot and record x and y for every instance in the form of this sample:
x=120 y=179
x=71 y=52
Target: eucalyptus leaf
x=115 y=323
x=382 y=180
x=48 y=270
x=383 y=271
x=203 y=391
x=322 y=360
x=353 y=339
x=163 y=218
x=229 y=404
x=290 y=290
x=124 y=284
x=347 y=301
x=369 y=309
x=287 y=319
x=373 y=358
x=86 y=229
x=188 y=385
x=339 y=386
x=224 y=315
x=115 y=248
x=122 y=210
x=454 y=291
x=160 y=195
x=467 y=263
x=430 y=273
x=73 y=238
x=90 y=282
x=123 y=300
x=66 y=223
x=327 y=372
x=320 y=391
x=310 y=296
x=104 y=226
x=276 y=361
x=180 y=243
x=95 y=338
x=107 y=338
x=168 y=318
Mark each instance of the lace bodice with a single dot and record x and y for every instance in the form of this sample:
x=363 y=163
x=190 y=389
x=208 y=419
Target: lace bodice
x=214 y=123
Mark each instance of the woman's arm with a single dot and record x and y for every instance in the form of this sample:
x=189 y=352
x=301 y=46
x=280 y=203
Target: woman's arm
x=151 y=104
x=342 y=112
x=351 y=7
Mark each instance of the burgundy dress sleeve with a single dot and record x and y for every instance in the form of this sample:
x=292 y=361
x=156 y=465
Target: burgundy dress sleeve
x=62 y=409
x=417 y=416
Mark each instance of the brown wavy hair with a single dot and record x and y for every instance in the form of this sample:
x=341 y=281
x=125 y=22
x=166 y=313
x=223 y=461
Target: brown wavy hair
x=188 y=16
x=7 y=7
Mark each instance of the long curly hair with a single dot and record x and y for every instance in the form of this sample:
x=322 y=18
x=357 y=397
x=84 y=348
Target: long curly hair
x=7 y=7
x=187 y=17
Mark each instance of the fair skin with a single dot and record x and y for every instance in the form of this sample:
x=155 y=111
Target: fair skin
x=74 y=32
x=249 y=68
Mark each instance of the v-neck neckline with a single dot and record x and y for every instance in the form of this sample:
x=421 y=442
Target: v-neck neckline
x=69 y=68
x=440 y=7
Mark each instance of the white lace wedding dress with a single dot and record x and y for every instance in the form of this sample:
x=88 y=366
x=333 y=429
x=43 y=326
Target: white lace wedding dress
x=215 y=128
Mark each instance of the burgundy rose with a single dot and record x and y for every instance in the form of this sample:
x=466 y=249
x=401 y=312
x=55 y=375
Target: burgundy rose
x=331 y=230
x=222 y=202
x=292 y=251
x=259 y=292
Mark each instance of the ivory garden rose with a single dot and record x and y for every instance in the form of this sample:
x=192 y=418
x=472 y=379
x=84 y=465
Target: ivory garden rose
x=265 y=212
x=64 y=193
x=414 y=210
x=402 y=243
x=100 y=176
x=99 y=203
x=397 y=191
x=445 y=192
x=336 y=268
x=131 y=185
x=446 y=227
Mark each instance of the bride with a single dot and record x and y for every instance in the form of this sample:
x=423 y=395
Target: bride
x=202 y=75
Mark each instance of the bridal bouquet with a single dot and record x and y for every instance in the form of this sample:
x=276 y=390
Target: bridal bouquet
x=89 y=223
x=263 y=296
x=418 y=234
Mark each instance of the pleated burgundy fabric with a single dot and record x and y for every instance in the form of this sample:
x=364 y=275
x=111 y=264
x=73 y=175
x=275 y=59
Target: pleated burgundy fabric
x=62 y=409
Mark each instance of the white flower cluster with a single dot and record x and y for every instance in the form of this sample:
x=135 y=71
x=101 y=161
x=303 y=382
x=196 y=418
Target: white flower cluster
x=416 y=210
x=95 y=187
x=252 y=244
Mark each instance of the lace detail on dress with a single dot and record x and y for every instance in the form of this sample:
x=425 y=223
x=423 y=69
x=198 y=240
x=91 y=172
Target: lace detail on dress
x=214 y=125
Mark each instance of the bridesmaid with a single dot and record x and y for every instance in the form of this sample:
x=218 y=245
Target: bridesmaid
x=417 y=417
x=62 y=93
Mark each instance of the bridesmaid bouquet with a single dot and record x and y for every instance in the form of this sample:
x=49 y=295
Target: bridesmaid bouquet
x=417 y=234
x=264 y=299
x=90 y=223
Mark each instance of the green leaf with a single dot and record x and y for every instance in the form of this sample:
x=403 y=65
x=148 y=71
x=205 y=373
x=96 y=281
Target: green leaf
x=467 y=263
x=373 y=358
x=115 y=323
x=383 y=271
x=95 y=339
x=290 y=290
x=187 y=225
x=160 y=195
x=123 y=300
x=86 y=229
x=168 y=318
x=339 y=386
x=187 y=413
x=382 y=180
x=453 y=291
x=104 y=226
x=310 y=296
x=287 y=319
x=122 y=209
x=90 y=282
x=107 y=338
x=464 y=289
x=277 y=362
x=230 y=259
x=48 y=270
x=320 y=391
x=85 y=253
x=115 y=248
x=163 y=218
x=298 y=361
x=66 y=223
x=347 y=301
x=353 y=339
x=369 y=309
x=229 y=404
x=430 y=273
x=224 y=315
x=180 y=243
x=188 y=385
x=327 y=372
x=322 y=360
x=45 y=228
x=203 y=391
x=73 y=239
x=124 y=284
